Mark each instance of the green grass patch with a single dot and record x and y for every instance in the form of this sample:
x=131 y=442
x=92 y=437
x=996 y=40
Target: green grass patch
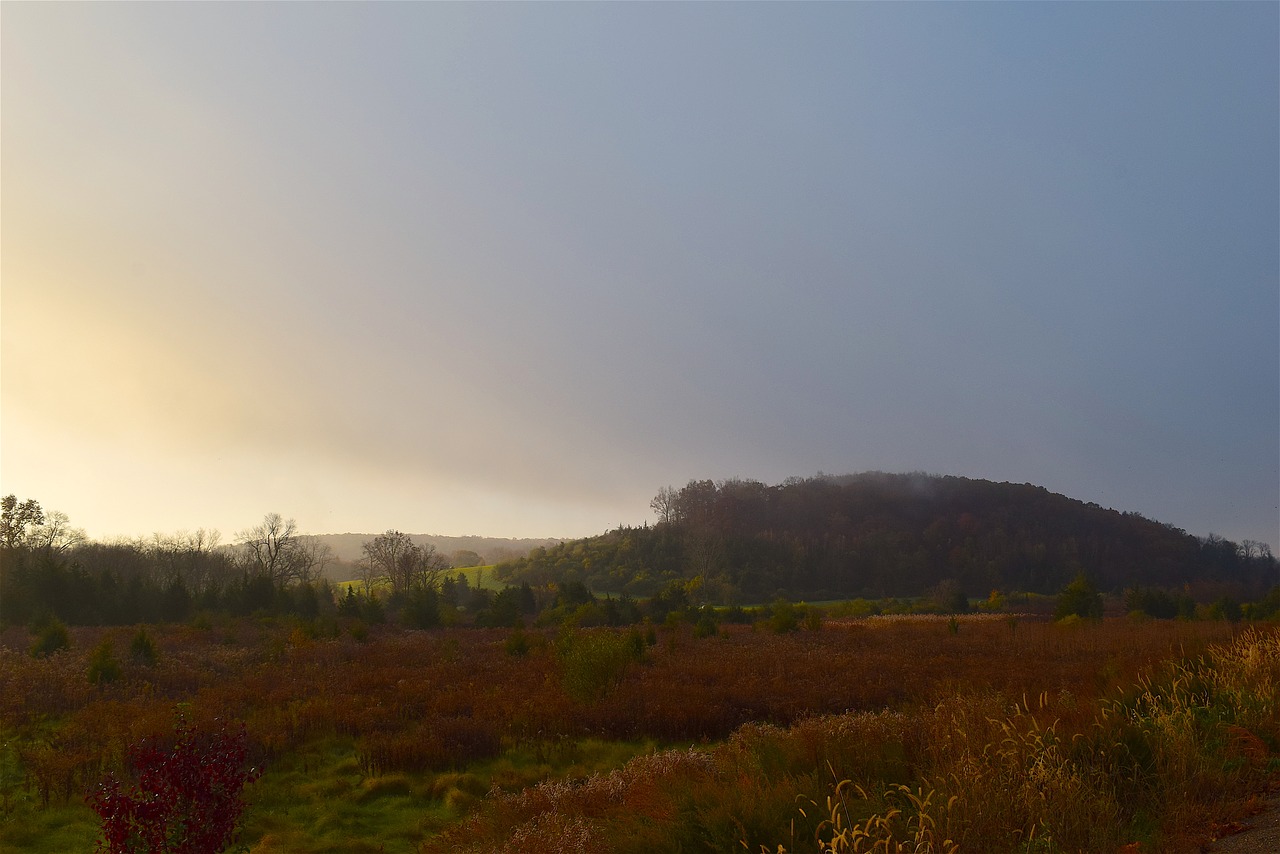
x=24 y=824
x=59 y=829
x=317 y=800
x=477 y=576
x=480 y=576
x=27 y=826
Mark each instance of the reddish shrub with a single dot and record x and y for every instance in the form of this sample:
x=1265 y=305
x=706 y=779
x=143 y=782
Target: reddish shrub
x=187 y=795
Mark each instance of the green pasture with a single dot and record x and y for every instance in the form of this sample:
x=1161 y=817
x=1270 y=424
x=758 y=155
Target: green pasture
x=477 y=576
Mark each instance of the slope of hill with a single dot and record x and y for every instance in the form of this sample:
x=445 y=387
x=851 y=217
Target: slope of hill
x=879 y=534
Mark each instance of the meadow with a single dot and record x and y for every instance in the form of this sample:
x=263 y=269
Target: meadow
x=990 y=733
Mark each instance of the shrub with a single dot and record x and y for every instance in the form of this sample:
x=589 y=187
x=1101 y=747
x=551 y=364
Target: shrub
x=1225 y=608
x=142 y=650
x=640 y=642
x=706 y=626
x=52 y=638
x=421 y=609
x=813 y=619
x=784 y=618
x=186 y=798
x=517 y=644
x=371 y=610
x=103 y=667
x=1079 y=598
x=949 y=598
x=593 y=663
x=1154 y=603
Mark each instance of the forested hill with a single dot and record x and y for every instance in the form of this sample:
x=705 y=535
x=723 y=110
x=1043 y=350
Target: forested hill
x=879 y=535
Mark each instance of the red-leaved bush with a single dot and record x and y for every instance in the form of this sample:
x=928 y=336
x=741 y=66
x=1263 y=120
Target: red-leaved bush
x=186 y=798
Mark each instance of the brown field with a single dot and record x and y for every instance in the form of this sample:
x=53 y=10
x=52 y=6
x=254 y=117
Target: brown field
x=1008 y=735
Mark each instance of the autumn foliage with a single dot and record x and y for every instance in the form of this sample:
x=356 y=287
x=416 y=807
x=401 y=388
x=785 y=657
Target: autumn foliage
x=185 y=798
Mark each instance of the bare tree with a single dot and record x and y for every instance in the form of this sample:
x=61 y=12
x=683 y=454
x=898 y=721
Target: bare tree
x=666 y=505
x=276 y=549
x=55 y=536
x=1251 y=549
x=369 y=573
x=383 y=556
x=428 y=568
x=194 y=558
x=394 y=556
x=268 y=546
x=314 y=557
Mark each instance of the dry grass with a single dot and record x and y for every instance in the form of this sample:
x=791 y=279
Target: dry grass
x=972 y=772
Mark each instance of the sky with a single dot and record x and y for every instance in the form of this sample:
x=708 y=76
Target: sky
x=507 y=270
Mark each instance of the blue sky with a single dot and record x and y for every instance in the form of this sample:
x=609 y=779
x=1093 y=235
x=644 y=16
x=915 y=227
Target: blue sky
x=508 y=269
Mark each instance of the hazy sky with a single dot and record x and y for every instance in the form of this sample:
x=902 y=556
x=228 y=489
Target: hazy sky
x=508 y=269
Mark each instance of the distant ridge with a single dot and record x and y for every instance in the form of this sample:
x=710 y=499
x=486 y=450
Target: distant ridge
x=347 y=547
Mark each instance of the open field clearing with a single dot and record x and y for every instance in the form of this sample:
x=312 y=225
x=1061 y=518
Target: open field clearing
x=1020 y=735
x=478 y=577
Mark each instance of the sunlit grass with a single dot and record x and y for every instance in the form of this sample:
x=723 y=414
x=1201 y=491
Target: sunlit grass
x=477 y=576
x=481 y=576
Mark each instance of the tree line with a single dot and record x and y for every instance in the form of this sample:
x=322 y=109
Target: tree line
x=50 y=569
x=52 y=575
x=872 y=536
